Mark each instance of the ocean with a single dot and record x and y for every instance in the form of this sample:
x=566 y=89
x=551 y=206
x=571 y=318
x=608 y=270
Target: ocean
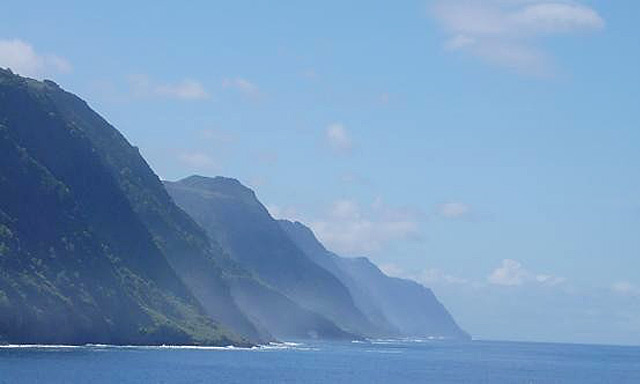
x=326 y=362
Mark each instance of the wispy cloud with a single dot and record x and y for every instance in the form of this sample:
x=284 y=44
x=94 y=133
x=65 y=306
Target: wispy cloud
x=351 y=228
x=338 y=138
x=243 y=86
x=268 y=157
x=285 y=212
x=198 y=161
x=507 y=32
x=435 y=276
x=187 y=89
x=428 y=277
x=625 y=288
x=353 y=178
x=453 y=210
x=391 y=269
x=23 y=59
x=257 y=181
x=512 y=273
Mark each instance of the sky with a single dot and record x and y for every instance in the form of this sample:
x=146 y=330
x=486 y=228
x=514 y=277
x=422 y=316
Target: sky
x=487 y=149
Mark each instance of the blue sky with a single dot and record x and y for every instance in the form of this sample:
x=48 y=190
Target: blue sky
x=488 y=149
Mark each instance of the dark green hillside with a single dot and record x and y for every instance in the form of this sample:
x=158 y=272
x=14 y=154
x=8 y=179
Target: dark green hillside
x=86 y=233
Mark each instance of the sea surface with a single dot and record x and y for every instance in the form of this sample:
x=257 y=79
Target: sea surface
x=349 y=362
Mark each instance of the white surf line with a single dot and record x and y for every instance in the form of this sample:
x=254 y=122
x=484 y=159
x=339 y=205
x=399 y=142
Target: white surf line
x=270 y=346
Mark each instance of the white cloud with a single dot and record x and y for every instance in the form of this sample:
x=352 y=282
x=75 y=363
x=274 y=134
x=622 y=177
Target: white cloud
x=284 y=212
x=512 y=273
x=258 y=181
x=432 y=276
x=392 y=270
x=453 y=210
x=428 y=277
x=242 y=85
x=505 y=32
x=57 y=64
x=509 y=273
x=187 y=89
x=625 y=288
x=555 y=17
x=459 y=42
x=198 y=161
x=22 y=58
x=549 y=280
x=345 y=210
x=338 y=138
x=350 y=229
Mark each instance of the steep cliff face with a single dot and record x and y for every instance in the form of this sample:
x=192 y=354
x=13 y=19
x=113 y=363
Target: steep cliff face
x=276 y=314
x=361 y=293
x=402 y=307
x=233 y=216
x=92 y=249
x=353 y=293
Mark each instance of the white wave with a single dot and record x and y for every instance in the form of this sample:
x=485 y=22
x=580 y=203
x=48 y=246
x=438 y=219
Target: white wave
x=176 y=347
x=291 y=344
x=287 y=345
x=39 y=346
x=384 y=351
x=427 y=339
x=108 y=346
x=270 y=346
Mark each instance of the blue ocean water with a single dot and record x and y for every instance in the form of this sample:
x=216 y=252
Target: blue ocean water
x=353 y=363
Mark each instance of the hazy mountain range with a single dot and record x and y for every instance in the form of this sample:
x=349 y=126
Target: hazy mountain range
x=95 y=248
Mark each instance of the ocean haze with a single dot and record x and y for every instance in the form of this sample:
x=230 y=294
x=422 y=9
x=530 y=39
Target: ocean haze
x=353 y=293
x=95 y=249
x=484 y=149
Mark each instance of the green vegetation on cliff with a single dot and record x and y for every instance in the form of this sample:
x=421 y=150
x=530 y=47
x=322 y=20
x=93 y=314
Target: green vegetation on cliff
x=87 y=232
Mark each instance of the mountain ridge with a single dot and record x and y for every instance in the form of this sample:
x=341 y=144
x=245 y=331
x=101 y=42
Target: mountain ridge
x=221 y=204
x=78 y=264
x=411 y=309
x=95 y=248
x=233 y=216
